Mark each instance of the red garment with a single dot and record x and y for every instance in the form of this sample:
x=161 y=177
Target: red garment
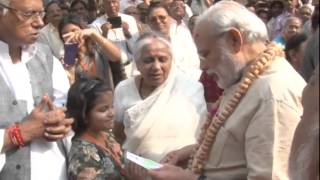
x=211 y=90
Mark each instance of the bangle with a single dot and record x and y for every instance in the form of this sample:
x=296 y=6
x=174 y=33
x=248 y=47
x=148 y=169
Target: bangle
x=15 y=136
x=202 y=177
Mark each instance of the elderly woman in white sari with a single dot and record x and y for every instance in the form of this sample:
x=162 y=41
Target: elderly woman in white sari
x=159 y=110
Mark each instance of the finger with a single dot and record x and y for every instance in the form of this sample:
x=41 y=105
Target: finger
x=109 y=26
x=68 y=121
x=54 y=117
x=53 y=137
x=164 y=160
x=78 y=37
x=68 y=37
x=44 y=102
x=56 y=130
x=50 y=104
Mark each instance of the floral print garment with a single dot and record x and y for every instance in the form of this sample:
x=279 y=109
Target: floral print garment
x=84 y=155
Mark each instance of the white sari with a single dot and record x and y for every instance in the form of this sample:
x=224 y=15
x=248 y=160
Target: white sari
x=165 y=121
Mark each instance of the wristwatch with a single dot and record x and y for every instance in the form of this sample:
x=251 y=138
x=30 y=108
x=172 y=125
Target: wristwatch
x=202 y=177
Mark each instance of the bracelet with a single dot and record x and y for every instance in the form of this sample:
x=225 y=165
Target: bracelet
x=15 y=136
x=202 y=177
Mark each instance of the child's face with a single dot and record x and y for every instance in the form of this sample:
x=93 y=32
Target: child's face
x=101 y=116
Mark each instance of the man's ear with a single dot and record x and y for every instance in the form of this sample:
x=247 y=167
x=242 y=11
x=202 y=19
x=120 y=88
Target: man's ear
x=235 y=39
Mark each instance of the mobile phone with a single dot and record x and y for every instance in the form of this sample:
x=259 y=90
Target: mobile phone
x=115 y=21
x=70 y=53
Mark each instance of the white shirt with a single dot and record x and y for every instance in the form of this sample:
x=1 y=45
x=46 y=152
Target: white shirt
x=117 y=36
x=184 y=50
x=124 y=4
x=189 y=13
x=18 y=79
x=49 y=35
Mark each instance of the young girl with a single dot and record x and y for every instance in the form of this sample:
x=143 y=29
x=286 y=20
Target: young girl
x=94 y=153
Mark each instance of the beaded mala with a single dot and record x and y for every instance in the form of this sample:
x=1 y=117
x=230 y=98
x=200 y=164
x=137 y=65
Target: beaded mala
x=213 y=124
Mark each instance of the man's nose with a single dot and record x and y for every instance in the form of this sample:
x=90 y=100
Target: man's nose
x=38 y=22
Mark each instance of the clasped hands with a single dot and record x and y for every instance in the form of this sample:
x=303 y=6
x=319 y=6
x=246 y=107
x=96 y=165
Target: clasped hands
x=46 y=121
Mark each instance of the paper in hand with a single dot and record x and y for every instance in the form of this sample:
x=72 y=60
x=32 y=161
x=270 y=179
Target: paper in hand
x=143 y=162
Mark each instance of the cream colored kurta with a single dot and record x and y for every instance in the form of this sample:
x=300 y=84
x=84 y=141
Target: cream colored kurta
x=255 y=141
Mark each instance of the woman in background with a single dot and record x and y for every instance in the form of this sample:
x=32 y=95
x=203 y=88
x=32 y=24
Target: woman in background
x=97 y=55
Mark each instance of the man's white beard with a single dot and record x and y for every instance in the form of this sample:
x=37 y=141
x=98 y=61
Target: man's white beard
x=228 y=70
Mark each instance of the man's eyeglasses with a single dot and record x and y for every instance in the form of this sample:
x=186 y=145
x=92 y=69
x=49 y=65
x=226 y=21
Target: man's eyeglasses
x=25 y=15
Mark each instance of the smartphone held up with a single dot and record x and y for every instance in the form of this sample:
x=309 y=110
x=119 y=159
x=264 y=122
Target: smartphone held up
x=70 y=53
x=116 y=22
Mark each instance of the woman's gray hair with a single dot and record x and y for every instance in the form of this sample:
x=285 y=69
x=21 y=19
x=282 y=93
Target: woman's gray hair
x=147 y=39
x=228 y=14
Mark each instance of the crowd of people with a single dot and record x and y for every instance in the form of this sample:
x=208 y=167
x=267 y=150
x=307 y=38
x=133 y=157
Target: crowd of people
x=209 y=89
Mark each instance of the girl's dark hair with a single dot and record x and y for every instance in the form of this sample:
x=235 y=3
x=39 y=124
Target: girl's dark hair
x=294 y=43
x=70 y=19
x=81 y=99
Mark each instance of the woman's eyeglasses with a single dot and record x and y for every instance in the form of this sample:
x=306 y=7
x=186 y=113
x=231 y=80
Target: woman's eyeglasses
x=156 y=18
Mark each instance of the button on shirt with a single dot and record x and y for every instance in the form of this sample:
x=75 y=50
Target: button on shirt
x=18 y=80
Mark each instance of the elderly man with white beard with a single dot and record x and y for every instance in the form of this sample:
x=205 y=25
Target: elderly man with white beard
x=249 y=133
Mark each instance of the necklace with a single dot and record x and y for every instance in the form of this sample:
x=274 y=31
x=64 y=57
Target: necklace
x=213 y=124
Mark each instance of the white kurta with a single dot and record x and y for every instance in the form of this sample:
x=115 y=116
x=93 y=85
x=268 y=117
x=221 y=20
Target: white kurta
x=17 y=78
x=185 y=52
